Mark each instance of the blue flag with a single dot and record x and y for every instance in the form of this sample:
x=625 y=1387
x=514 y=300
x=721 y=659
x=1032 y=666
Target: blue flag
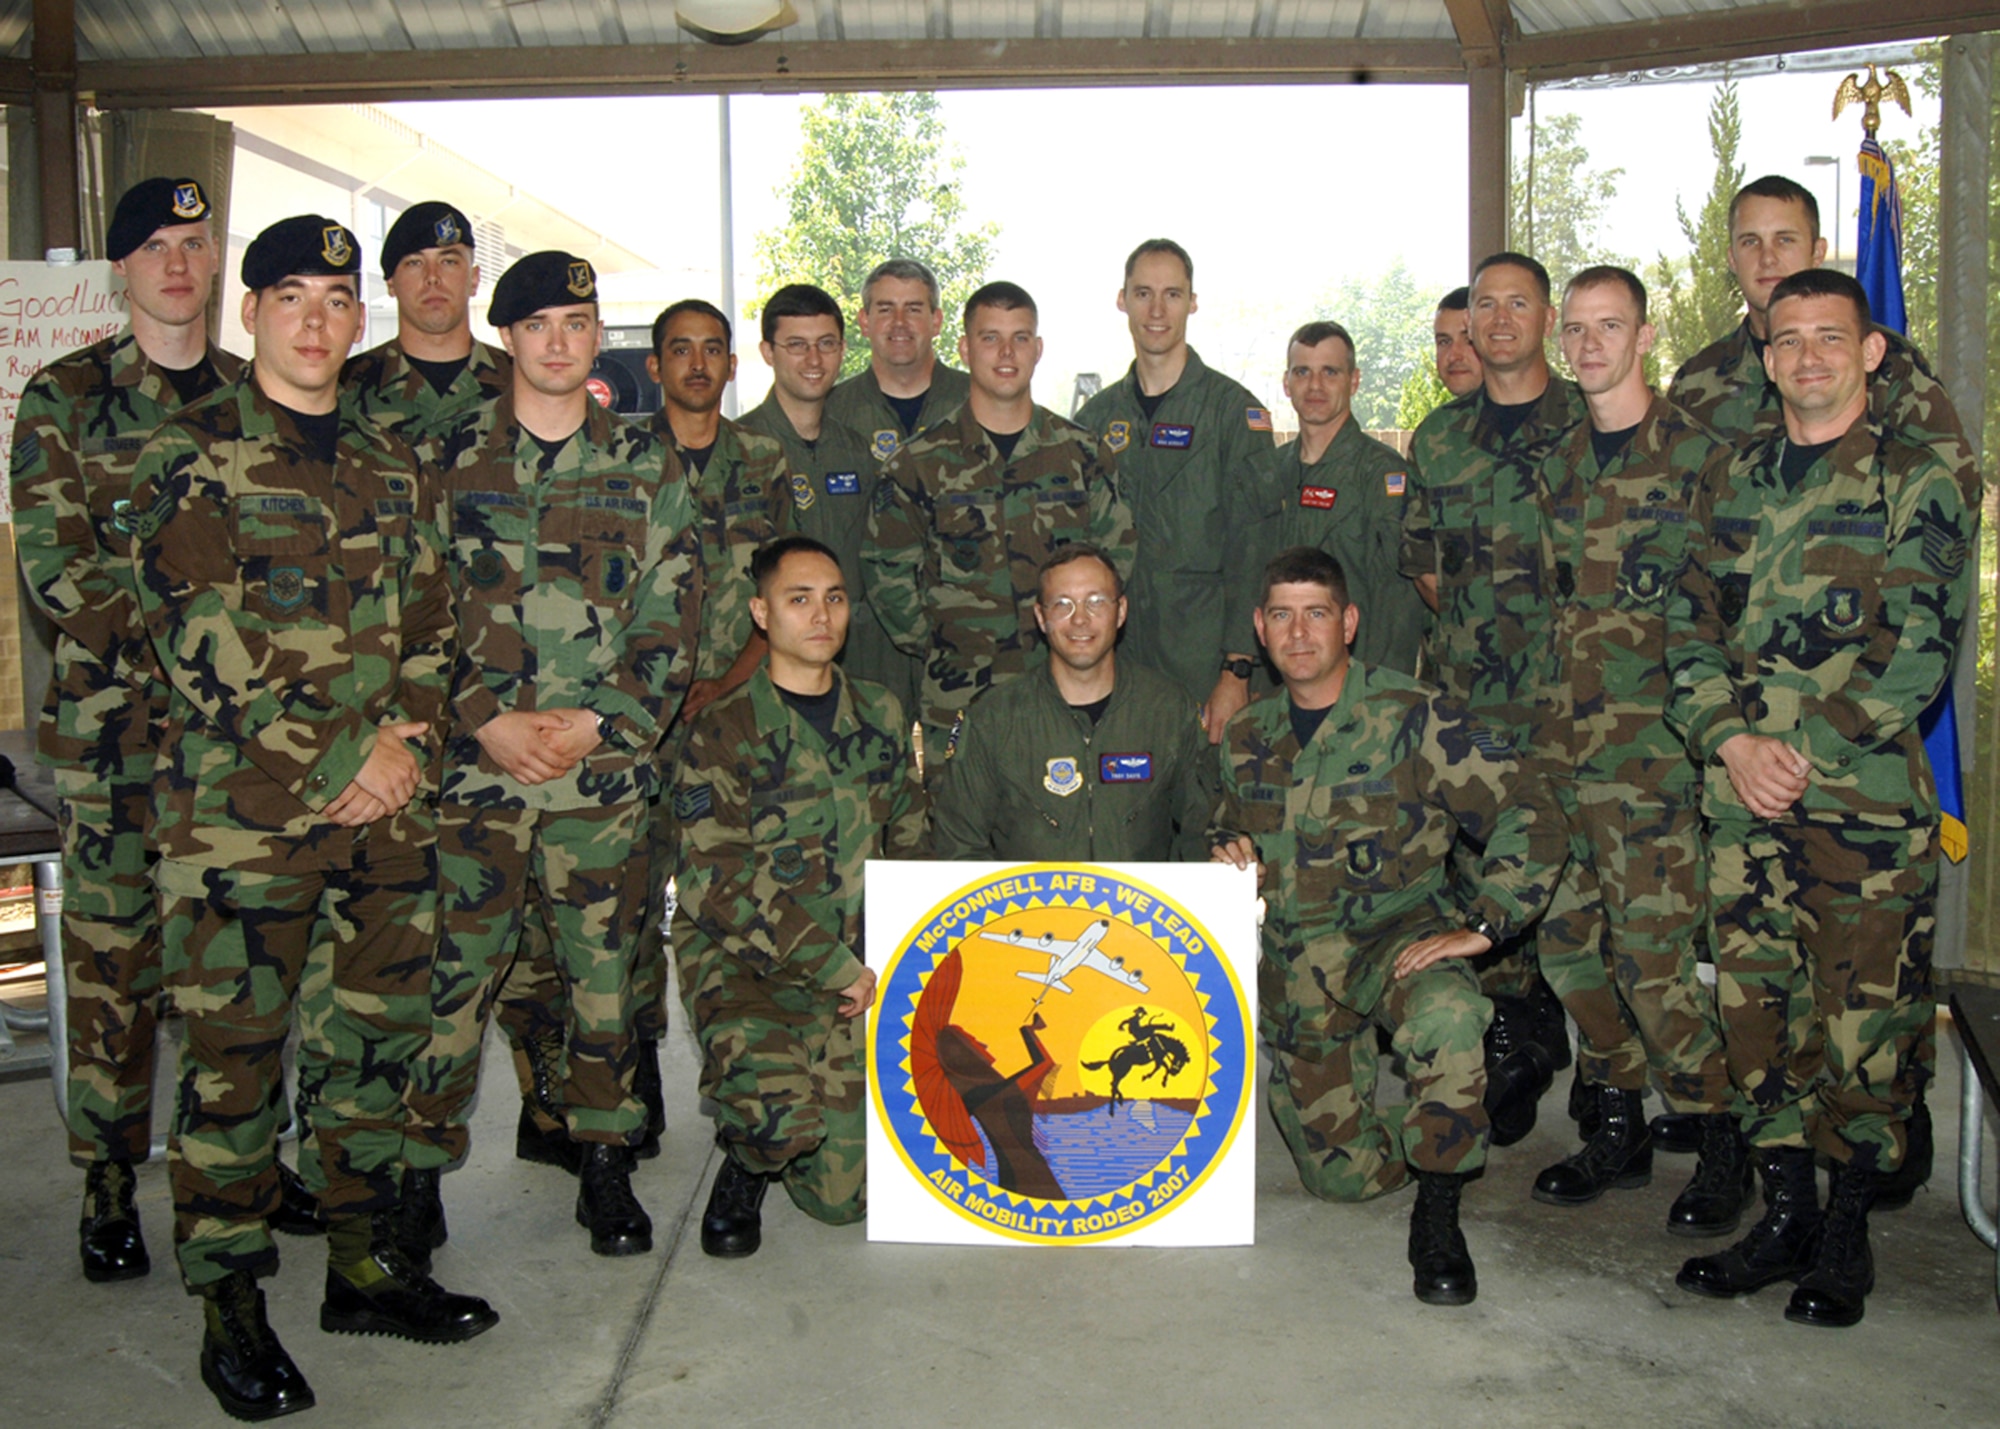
x=1878 y=265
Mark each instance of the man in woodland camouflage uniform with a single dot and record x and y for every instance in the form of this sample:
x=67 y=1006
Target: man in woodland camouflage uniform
x=1346 y=790
x=967 y=513
x=287 y=569
x=786 y=786
x=81 y=423
x=572 y=562
x=1774 y=233
x=1820 y=611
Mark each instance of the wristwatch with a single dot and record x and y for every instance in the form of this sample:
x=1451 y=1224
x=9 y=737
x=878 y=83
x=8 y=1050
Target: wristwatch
x=604 y=728
x=1240 y=666
x=1477 y=924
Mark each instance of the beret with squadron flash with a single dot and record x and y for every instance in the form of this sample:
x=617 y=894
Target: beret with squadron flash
x=150 y=205
x=431 y=224
x=549 y=279
x=308 y=246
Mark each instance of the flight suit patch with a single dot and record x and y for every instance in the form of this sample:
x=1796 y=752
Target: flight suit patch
x=1318 y=498
x=1063 y=778
x=1118 y=436
x=843 y=483
x=1174 y=435
x=885 y=444
x=1395 y=482
x=1125 y=768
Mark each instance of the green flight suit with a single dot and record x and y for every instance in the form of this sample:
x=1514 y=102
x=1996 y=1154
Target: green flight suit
x=1196 y=474
x=858 y=403
x=1031 y=777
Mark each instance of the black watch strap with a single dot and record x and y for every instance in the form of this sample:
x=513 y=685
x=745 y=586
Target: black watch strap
x=1240 y=666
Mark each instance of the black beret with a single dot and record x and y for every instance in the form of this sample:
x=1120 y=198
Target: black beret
x=431 y=224
x=549 y=279
x=301 y=247
x=150 y=205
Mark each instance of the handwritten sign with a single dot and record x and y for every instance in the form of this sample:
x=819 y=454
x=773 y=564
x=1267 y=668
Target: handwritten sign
x=47 y=310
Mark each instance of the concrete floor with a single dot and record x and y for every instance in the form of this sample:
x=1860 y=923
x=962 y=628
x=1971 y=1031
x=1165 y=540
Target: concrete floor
x=1578 y=1321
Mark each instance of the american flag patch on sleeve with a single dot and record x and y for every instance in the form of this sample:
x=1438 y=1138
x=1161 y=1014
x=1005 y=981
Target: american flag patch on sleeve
x=1258 y=418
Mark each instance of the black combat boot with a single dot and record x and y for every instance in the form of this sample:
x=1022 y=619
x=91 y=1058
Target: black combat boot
x=1714 y=1200
x=242 y=1363
x=1677 y=1132
x=733 y=1224
x=1582 y=1104
x=1437 y=1247
x=652 y=1096
x=1834 y=1291
x=373 y=1289
x=109 y=1237
x=1782 y=1243
x=1898 y=1188
x=420 y=1225
x=532 y=1142
x=605 y=1205
x=1518 y=1070
x=1619 y=1154
x=1550 y=1028
x=298 y=1210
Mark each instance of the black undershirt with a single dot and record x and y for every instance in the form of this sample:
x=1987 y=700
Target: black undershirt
x=550 y=449
x=1306 y=723
x=1095 y=709
x=1798 y=460
x=1608 y=445
x=1507 y=418
x=1151 y=404
x=816 y=710
x=439 y=374
x=188 y=382
x=697 y=458
x=907 y=409
x=1005 y=442
x=320 y=431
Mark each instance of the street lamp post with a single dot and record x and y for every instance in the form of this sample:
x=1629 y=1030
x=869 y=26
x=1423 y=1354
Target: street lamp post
x=1820 y=161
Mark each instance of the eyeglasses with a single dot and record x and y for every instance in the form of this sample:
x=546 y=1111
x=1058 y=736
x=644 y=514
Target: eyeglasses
x=799 y=347
x=1094 y=606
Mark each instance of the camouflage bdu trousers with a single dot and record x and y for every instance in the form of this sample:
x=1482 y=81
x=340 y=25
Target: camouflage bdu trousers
x=1348 y=1150
x=351 y=950
x=589 y=869
x=785 y=1073
x=1823 y=939
x=663 y=851
x=111 y=962
x=1619 y=944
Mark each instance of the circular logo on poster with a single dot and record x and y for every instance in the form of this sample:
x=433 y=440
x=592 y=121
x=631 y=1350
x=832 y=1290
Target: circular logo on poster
x=1060 y=1054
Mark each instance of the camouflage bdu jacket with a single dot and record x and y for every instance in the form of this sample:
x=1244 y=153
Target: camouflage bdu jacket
x=957 y=538
x=1473 y=521
x=1824 y=614
x=578 y=587
x=1355 y=833
x=1725 y=388
x=295 y=606
x=1033 y=778
x=1197 y=476
x=1350 y=504
x=741 y=501
x=775 y=827
x=858 y=403
x=394 y=395
x=1617 y=542
x=80 y=426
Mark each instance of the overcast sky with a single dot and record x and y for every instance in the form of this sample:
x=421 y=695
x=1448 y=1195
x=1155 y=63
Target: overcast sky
x=1279 y=192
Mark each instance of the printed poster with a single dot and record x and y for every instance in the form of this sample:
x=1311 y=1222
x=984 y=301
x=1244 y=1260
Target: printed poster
x=47 y=310
x=1062 y=1054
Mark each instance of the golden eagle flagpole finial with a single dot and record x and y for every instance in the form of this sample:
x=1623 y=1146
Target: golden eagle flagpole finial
x=1870 y=95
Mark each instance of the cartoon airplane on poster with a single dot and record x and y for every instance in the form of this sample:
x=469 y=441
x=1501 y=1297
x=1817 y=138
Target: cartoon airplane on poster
x=1066 y=957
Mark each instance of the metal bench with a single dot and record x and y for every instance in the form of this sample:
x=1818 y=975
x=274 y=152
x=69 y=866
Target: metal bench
x=1975 y=1011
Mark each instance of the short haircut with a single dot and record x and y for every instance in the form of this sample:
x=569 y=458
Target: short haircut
x=1305 y=565
x=1507 y=258
x=797 y=300
x=1610 y=275
x=766 y=559
x=691 y=305
x=907 y=270
x=1160 y=245
x=1458 y=300
x=1315 y=333
x=1008 y=297
x=1078 y=551
x=1779 y=187
x=1825 y=283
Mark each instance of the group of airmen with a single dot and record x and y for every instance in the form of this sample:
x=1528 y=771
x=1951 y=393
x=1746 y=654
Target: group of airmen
x=393 y=690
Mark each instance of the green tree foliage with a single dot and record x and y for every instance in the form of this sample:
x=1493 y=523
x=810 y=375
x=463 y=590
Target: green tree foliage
x=1557 y=218
x=1694 y=298
x=1390 y=317
x=876 y=178
x=1423 y=393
